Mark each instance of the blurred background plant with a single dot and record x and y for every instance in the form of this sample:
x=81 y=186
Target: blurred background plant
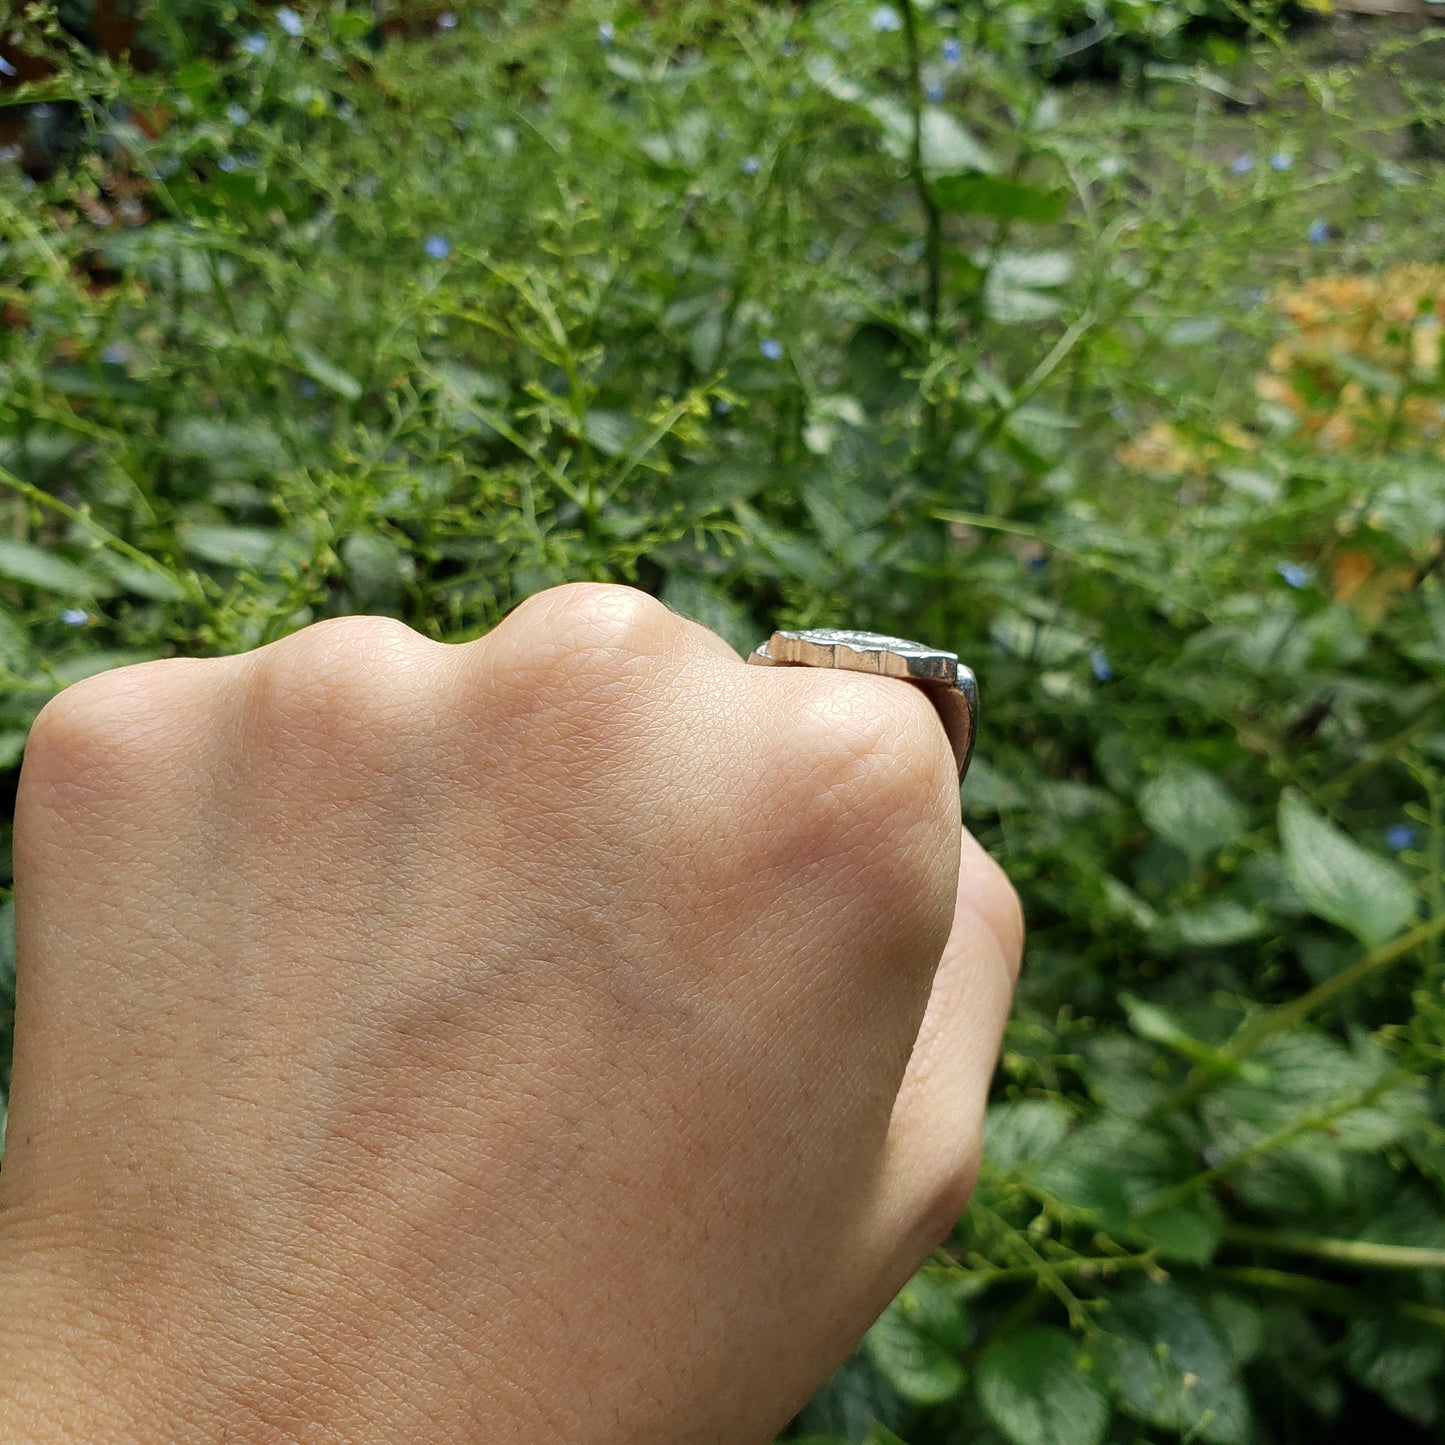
x=1100 y=341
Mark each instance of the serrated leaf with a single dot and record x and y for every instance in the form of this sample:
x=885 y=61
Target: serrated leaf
x=1169 y=1366
x=1192 y=810
x=1034 y=1389
x=1342 y=882
x=42 y=568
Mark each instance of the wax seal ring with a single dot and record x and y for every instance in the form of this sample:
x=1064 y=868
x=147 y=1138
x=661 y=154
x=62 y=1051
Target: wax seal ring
x=950 y=685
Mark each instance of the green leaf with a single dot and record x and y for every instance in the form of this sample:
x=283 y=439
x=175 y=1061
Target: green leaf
x=1019 y=1130
x=99 y=381
x=155 y=583
x=1169 y=1366
x=1388 y=1354
x=1239 y=1322
x=326 y=373
x=1216 y=924
x=256 y=548
x=946 y=146
x=1188 y=1232
x=611 y=432
x=375 y=570
x=88 y=664
x=1192 y=810
x=995 y=196
x=39 y=567
x=1033 y=270
x=1342 y=882
x=1035 y=1390
x=701 y=599
x=916 y=1342
x=12 y=747
x=227 y=450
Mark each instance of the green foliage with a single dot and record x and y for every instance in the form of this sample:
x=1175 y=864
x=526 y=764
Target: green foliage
x=815 y=315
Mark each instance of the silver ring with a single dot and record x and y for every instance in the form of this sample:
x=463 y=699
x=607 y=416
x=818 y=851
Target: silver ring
x=950 y=686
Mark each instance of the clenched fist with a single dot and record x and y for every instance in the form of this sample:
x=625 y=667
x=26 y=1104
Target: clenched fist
x=575 y=1034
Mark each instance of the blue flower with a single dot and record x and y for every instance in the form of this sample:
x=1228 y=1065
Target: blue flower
x=751 y=165
x=1103 y=669
x=254 y=45
x=227 y=164
x=75 y=617
x=605 y=32
x=6 y=68
x=933 y=91
x=771 y=347
x=1399 y=836
x=952 y=51
x=289 y=21
x=720 y=407
x=1319 y=233
x=437 y=247
x=885 y=17
x=446 y=21
x=1039 y=562
x=237 y=114
x=1281 y=160
x=307 y=388
x=1242 y=165
x=116 y=354
x=1293 y=573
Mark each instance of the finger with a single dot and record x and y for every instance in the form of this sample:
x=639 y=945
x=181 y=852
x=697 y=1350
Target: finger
x=937 y=1121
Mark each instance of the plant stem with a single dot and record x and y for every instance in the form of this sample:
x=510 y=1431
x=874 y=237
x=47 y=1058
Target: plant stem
x=1336 y=1298
x=1087 y=1265
x=1345 y=1251
x=1249 y=1038
x=932 y=216
x=188 y=582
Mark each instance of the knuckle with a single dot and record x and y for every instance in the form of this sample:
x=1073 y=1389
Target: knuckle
x=575 y=655
x=876 y=757
x=341 y=681
x=108 y=723
x=582 y=622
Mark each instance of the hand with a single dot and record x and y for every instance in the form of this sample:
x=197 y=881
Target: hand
x=512 y=1041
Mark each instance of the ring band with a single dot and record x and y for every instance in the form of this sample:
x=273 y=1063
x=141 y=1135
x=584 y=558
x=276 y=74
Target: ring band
x=950 y=686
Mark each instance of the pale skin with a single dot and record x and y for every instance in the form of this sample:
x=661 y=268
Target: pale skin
x=574 y=1034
